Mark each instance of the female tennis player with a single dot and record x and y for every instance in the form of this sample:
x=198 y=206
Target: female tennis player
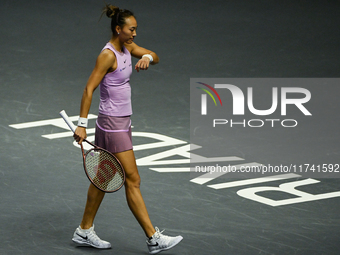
x=113 y=128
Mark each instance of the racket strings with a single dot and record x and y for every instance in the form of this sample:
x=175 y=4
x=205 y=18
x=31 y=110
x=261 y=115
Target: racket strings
x=104 y=170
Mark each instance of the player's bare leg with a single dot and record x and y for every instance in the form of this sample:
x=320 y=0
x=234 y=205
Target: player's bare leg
x=156 y=241
x=94 y=199
x=133 y=193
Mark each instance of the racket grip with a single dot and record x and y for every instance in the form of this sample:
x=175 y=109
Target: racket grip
x=68 y=121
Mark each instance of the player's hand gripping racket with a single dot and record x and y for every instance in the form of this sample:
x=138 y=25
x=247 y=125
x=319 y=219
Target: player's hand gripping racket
x=101 y=167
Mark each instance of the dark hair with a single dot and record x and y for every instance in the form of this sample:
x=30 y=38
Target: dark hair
x=117 y=16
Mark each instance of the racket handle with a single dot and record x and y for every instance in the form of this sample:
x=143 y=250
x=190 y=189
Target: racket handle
x=68 y=121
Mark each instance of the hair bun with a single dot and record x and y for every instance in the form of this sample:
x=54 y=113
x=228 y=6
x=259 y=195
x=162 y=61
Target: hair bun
x=111 y=10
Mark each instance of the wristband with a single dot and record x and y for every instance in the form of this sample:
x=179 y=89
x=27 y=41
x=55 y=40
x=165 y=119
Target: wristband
x=82 y=122
x=148 y=56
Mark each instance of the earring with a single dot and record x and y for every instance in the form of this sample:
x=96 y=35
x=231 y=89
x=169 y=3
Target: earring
x=118 y=33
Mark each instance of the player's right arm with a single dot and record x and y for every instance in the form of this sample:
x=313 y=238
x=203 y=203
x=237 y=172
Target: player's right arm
x=105 y=62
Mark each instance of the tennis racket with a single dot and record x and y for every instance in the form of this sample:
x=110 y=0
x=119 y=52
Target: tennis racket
x=102 y=168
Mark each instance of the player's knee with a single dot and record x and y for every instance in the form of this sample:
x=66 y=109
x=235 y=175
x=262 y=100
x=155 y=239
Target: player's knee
x=133 y=180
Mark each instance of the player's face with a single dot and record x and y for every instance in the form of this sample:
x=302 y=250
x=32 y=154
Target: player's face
x=128 y=32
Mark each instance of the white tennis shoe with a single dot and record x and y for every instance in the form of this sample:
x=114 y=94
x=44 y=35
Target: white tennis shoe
x=89 y=237
x=159 y=242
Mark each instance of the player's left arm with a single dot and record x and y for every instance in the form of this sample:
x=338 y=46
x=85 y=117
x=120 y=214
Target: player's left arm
x=138 y=52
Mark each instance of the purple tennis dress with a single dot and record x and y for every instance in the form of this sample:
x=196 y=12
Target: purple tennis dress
x=113 y=126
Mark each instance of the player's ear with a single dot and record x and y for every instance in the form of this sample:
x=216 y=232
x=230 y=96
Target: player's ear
x=118 y=29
